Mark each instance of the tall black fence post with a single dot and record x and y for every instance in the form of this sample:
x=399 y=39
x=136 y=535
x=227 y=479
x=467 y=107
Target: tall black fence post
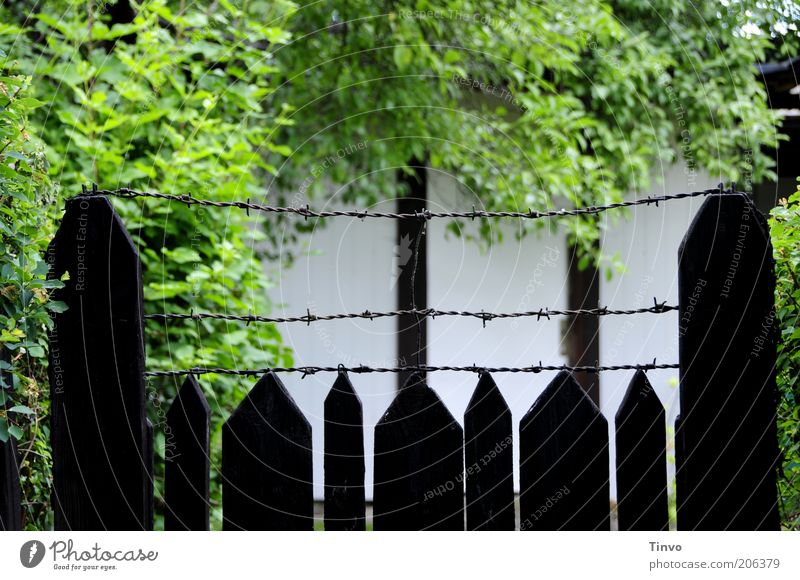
x=98 y=432
x=726 y=438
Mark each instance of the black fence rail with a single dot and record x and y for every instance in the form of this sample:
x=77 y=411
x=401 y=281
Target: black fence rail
x=429 y=472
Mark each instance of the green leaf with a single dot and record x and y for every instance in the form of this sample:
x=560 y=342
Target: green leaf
x=15 y=431
x=36 y=351
x=21 y=409
x=402 y=56
x=29 y=103
x=56 y=306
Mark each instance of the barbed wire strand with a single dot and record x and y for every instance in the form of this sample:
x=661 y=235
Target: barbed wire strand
x=546 y=313
x=307 y=212
x=311 y=370
x=426 y=215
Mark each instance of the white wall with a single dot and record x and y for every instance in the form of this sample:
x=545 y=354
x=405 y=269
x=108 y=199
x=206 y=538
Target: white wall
x=647 y=243
x=516 y=275
x=346 y=266
x=350 y=265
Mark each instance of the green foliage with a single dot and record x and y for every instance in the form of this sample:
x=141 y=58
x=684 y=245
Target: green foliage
x=529 y=104
x=174 y=102
x=785 y=232
x=25 y=230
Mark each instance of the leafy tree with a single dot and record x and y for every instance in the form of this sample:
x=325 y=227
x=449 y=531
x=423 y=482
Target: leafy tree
x=528 y=104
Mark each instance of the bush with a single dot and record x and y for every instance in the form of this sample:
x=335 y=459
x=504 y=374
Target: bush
x=173 y=102
x=785 y=233
x=26 y=225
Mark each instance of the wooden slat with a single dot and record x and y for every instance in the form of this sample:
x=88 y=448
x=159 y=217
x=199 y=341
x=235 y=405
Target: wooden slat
x=97 y=374
x=564 y=461
x=419 y=467
x=680 y=482
x=187 y=460
x=266 y=462
x=344 y=458
x=641 y=438
x=727 y=380
x=489 y=459
x=10 y=496
x=149 y=459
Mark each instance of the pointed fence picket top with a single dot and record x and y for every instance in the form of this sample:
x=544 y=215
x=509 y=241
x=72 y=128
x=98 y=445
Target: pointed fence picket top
x=10 y=496
x=641 y=437
x=564 y=461
x=266 y=462
x=187 y=461
x=489 y=459
x=727 y=345
x=419 y=466
x=345 y=507
x=97 y=389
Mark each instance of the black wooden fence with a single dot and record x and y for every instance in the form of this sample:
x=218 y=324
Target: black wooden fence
x=429 y=472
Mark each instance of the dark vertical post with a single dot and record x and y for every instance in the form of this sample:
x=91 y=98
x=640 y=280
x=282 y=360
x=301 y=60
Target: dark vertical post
x=149 y=458
x=564 y=461
x=97 y=374
x=344 y=458
x=727 y=370
x=10 y=496
x=583 y=332
x=419 y=464
x=187 y=461
x=410 y=294
x=489 y=459
x=266 y=462
x=641 y=435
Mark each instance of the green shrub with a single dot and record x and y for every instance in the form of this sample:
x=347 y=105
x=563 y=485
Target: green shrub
x=173 y=102
x=26 y=225
x=785 y=233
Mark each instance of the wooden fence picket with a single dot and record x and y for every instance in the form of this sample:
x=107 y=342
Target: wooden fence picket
x=98 y=430
x=266 y=462
x=419 y=466
x=489 y=459
x=727 y=349
x=345 y=507
x=10 y=496
x=186 y=473
x=641 y=437
x=149 y=459
x=564 y=461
